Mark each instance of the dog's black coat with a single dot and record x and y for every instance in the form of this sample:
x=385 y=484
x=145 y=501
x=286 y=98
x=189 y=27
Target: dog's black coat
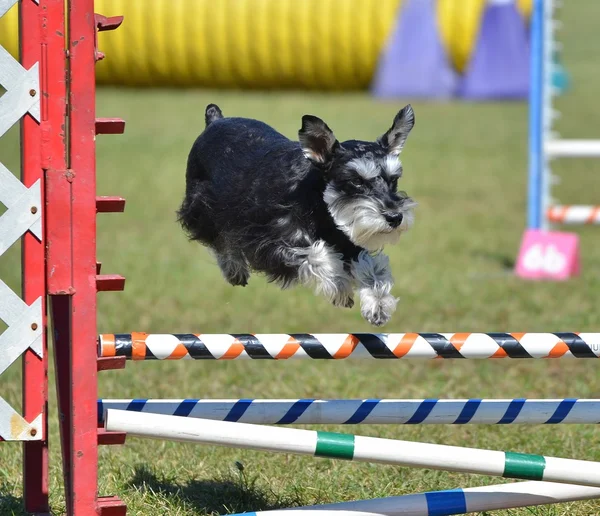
x=242 y=178
x=254 y=193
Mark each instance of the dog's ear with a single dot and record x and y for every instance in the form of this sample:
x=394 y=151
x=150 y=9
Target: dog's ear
x=393 y=140
x=317 y=140
x=212 y=113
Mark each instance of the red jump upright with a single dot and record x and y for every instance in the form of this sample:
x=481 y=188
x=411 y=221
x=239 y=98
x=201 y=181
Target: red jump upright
x=54 y=209
x=73 y=272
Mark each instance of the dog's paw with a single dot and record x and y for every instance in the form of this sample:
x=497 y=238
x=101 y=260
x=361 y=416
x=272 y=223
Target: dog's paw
x=345 y=302
x=238 y=282
x=378 y=317
x=378 y=310
x=234 y=268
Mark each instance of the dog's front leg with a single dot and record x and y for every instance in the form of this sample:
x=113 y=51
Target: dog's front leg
x=375 y=282
x=318 y=264
x=234 y=266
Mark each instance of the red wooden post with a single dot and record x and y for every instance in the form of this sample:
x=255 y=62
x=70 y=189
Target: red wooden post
x=35 y=369
x=72 y=273
x=75 y=289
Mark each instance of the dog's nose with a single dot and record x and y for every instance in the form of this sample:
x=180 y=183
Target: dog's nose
x=394 y=219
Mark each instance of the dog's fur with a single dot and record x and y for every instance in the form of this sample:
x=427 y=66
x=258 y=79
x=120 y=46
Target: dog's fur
x=314 y=211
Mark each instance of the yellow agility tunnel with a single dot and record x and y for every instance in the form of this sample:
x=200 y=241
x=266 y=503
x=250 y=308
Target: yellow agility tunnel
x=303 y=44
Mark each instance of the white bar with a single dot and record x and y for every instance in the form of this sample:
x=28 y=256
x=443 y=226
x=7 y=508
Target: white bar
x=586 y=472
x=430 y=456
x=573 y=148
x=206 y=431
x=345 y=446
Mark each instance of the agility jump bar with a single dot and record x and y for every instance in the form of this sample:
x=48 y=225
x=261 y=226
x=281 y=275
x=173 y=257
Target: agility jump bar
x=355 y=448
x=369 y=411
x=585 y=215
x=144 y=346
x=573 y=148
x=452 y=501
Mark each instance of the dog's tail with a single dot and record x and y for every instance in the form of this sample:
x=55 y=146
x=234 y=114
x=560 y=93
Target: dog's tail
x=212 y=113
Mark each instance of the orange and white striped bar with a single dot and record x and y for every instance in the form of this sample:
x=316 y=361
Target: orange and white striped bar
x=573 y=148
x=230 y=346
x=580 y=215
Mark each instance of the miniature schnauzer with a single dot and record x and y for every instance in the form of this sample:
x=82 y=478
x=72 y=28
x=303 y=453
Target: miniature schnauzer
x=315 y=211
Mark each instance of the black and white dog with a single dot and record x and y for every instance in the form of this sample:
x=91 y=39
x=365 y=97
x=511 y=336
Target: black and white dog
x=315 y=211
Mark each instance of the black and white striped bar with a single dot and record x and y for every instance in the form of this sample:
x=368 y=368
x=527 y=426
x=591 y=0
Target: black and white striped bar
x=370 y=411
x=337 y=346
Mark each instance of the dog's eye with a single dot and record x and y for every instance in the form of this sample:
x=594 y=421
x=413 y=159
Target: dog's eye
x=394 y=184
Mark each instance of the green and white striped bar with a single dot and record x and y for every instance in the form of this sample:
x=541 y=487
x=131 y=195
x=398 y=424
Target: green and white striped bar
x=454 y=501
x=358 y=448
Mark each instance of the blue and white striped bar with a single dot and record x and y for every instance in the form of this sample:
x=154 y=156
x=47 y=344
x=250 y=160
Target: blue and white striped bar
x=456 y=501
x=370 y=411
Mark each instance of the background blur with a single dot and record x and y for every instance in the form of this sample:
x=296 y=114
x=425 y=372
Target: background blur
x=352 y=63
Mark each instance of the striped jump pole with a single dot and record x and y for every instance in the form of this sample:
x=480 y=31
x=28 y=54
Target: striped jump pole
x=574 y=215
x=226 y=346
x=454 y=501
x=369 y=411
x=358 y=448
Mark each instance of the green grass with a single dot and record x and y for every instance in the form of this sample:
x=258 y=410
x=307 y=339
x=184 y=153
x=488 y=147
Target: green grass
x=465 y=163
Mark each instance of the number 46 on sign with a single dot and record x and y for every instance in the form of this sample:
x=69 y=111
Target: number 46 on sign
x=548 y=255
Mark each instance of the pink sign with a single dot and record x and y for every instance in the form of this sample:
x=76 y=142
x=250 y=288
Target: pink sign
x=548 y=255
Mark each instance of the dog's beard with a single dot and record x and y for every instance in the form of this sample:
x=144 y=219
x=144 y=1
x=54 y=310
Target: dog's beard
x=363 y=223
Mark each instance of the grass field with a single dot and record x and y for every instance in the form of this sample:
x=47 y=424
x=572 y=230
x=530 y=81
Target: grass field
x=466 y=166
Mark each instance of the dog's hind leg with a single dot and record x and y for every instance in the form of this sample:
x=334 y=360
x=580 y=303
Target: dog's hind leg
x=375 y=282
x=318 y=264
x=234 y=267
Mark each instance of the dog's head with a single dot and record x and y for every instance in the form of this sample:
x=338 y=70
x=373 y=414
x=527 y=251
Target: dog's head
x=362 y=180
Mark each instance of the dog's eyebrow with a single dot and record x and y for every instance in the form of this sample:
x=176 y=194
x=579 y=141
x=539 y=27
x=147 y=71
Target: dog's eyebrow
x=392 y=166
x=365 y=167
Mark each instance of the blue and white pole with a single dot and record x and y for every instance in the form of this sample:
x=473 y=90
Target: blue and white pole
x=537 y=194
x=444 y=503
